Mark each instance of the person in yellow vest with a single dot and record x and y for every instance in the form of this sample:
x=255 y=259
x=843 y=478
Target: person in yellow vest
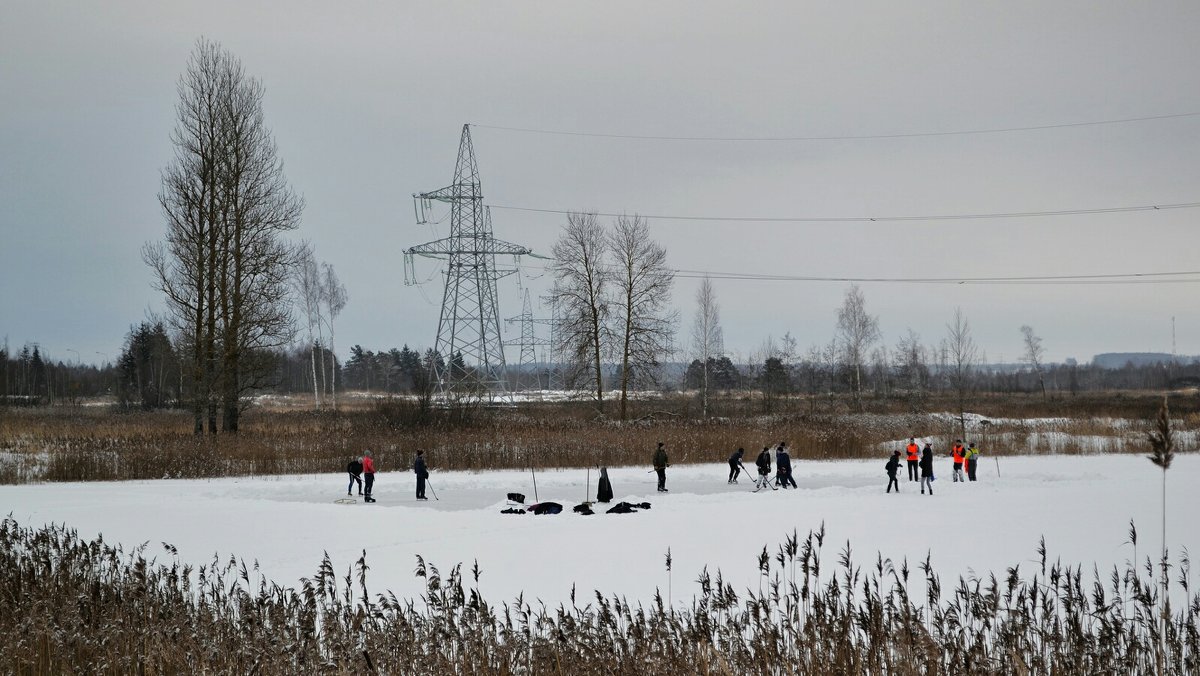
x=972 y=461
x=957 y=451
x=914 y=458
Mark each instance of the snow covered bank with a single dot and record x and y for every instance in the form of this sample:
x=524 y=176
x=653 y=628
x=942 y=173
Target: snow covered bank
x=1081 y=504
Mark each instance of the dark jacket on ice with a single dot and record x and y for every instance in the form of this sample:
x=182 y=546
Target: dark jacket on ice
x=783 y=463
x=419 y=467
x=604 y=488
x=355 y=467
x=764 y=462
x=893 y=465
x=737 y=456
x=927 y=462
x=660 y=458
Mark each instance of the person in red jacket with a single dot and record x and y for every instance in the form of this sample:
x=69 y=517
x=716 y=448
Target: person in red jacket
x=957 y=451
x=368 y=475
x=914 y=473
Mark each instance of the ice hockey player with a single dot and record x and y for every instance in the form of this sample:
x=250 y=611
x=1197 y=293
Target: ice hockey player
x=913 y=459
x=927 y=469
x=893 y=466
x=957 y=453
x=735 y=465
x=354 y=469
x=422 y=473
x=661 y=463
x=764 y=468
x=783 y=466
x=368 y=474
x=972 y=460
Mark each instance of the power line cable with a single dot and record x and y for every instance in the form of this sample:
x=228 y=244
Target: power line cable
x=1048 y=280
x=866 y=219
x=846 y=137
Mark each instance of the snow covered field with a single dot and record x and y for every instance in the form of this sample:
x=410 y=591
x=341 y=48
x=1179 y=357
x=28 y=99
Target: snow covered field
x=1081 y=504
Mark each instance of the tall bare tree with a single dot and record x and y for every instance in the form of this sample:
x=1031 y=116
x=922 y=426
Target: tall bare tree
x=307 y=283
x=642 y=284
x=857 y=331
x=708 y=340
x=224 y=266
x=333 y=293
x=1033 y=355
x=962 y=354
x=913 y=360
x=582 y=284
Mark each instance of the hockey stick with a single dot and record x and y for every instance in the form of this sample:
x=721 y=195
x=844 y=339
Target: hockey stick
x=430 y=484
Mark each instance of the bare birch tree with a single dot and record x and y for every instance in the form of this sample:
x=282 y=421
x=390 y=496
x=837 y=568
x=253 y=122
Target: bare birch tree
x=307 y=283
x=857 y=331
x=224 y=267
x=913 y=360
x=1033 y=355
x=962 y=355
x=333 y=293
x=708 y=340
x=582 y=284
x=642 y=284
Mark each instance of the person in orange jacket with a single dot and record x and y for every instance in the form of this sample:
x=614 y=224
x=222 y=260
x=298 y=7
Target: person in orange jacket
x=914 y=458
x=957 y=452
x=368 y=476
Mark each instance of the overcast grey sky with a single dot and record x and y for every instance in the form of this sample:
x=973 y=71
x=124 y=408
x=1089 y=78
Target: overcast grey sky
x=367 y=99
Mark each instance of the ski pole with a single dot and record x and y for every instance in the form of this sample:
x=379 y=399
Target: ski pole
x=430 y=484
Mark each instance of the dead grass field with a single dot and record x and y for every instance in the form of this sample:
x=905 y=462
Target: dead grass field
x=281 y=435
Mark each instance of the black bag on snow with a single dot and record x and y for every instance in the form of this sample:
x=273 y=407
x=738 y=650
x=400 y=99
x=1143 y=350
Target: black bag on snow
x=546 y=508
x=517 y=497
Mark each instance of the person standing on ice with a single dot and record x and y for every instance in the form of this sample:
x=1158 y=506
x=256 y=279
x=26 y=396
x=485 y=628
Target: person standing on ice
x=892 y=467
x=735 y=465
x=661 y=463
x=764 y=468
x=422 y=473
x=354 y=469
x=913 y=459
x=957 y=452
x=369 y=474
x=784 y=465
x=972 y=460
x=927 y=469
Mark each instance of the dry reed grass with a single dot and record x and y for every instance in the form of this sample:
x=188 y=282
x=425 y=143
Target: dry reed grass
x=71 y=606
x=90 y=444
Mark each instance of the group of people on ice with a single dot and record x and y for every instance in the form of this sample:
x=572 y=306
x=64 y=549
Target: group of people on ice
x=364 y=468
x=783 y=467
x=920 y=464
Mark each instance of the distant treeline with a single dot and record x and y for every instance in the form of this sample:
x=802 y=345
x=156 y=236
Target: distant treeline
x=148 y=375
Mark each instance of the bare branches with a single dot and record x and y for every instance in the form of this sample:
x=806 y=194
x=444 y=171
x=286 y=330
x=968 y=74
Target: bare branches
x=643 y=284
x=582 y=283
x=222 y=266
x=708 y=340
x=857 y=331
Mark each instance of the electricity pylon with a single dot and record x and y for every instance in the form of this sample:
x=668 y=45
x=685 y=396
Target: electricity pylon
x=528 y=340
x=468 y=333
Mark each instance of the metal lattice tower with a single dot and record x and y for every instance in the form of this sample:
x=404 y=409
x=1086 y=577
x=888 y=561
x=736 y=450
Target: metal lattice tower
x=528 y=340
x=469 y=324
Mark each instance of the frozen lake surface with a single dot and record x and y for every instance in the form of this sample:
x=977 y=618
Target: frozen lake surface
x=1081 y=504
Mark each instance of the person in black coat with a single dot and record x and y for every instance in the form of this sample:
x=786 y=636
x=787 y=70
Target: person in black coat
x=783 y=463
x=893 y=466
x=927 y=469
x=735 y=465
x=764 y=467
x=422 y=473
x=354 y=469
x=604 y=491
